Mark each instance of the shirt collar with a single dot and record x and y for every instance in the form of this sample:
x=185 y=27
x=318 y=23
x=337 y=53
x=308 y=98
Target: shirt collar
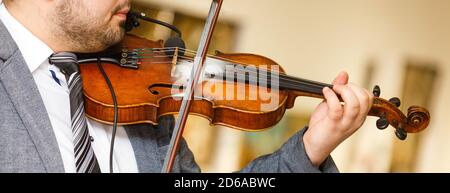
x=34 y=51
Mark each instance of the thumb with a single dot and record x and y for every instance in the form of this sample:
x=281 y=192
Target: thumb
x=341 y=79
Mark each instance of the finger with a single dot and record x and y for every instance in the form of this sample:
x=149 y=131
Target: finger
x=364 y=102
x=335 y=109
x=351 y=103
x=371 y=97
x=341 y=79
x=362 y=95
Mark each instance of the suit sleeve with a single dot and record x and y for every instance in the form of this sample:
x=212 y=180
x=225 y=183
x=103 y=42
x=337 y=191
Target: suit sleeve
x=290 y=158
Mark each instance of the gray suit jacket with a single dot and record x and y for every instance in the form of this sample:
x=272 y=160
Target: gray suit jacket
x=28 y=144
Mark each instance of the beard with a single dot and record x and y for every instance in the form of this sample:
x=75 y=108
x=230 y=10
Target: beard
x=84 y=31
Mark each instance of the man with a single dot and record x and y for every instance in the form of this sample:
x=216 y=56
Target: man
x=40 y=131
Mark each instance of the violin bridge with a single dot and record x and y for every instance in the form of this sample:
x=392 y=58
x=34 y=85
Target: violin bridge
x=175 y=57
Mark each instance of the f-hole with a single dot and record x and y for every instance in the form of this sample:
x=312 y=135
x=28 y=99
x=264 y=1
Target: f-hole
x=152 y=87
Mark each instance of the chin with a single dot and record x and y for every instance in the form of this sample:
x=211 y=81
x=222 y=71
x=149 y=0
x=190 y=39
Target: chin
x=103 y=40
x=110 y=40
x=115 y=36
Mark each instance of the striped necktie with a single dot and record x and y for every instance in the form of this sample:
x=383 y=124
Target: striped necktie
x=85 y=160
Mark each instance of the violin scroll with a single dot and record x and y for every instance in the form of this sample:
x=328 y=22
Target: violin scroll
x=418 y=117
x=416 y=120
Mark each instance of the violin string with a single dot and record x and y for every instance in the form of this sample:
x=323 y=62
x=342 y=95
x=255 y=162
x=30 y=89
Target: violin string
x=162 y=56
x=283 y=85
x=282 y=82
x=288 y=81
x=265 y=73
x=226 y=59
x=282 y=77
x=164 y=49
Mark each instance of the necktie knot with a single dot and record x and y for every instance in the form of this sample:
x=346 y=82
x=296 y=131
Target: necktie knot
x=67 y=62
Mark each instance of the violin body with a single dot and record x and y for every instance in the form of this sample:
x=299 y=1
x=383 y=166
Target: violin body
x=138 y=103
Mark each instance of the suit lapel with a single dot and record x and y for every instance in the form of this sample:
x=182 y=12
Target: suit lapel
x=24 y=94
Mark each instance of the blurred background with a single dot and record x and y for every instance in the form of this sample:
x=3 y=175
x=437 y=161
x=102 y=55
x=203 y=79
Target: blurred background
x=401 y=45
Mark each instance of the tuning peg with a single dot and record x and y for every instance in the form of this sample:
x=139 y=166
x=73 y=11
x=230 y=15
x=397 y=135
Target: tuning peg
x=376 y=91
x=395 y=101
x=401 y=134
x=382 y=123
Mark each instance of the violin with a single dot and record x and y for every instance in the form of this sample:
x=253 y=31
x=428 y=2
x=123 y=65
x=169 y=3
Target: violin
x=243 y=91
x=143 y=80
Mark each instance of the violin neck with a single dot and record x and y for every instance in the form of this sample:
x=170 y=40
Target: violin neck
x=264 y=78
x=303 y=86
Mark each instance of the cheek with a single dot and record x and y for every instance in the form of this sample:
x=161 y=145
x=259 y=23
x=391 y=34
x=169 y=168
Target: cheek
x=98 y=10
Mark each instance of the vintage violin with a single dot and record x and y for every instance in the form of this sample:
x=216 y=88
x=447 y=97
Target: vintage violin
x=243 y=91
x=144 y=89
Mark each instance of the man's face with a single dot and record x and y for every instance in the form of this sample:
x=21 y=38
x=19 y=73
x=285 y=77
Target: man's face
x=89 y=25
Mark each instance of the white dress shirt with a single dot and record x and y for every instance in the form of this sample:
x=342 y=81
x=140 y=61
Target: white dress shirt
x=53 y=88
